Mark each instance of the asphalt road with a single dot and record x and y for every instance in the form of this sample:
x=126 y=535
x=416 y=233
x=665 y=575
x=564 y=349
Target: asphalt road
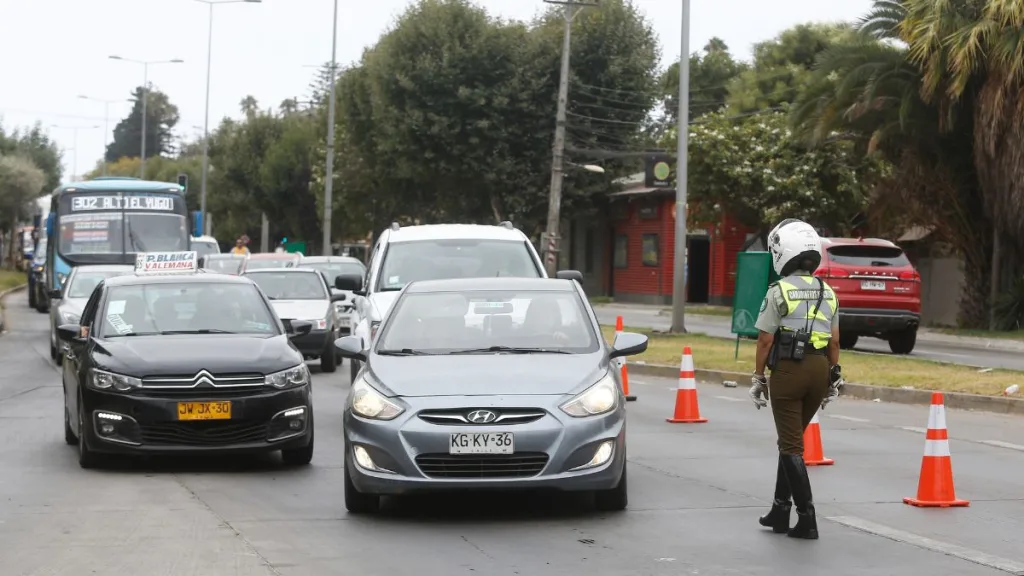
x=696 y=492
x=719 y=326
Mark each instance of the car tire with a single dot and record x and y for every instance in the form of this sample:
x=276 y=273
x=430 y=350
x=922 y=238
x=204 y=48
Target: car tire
x=69 y=435
x=86 y=457
x=903 y=342
x=357 y=502
x=42 y=305
x=299 y=456
x=847 y=342
x=328 y=361
x=614 y=500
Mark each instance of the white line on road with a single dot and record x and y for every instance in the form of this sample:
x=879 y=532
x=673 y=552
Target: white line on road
x=914 y=429
x=969 y=554
x=850 y=418
x=730 y=399
x=1001 y=444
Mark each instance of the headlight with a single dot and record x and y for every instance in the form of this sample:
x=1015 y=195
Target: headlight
x=369 y=403
x=600 y=398
x=103 y=380
x=37 y=268
x=70 y=317
x=290 y=378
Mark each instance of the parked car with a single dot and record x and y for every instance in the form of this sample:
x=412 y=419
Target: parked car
x=878 y=288
x=37 y=296
x=265 y=260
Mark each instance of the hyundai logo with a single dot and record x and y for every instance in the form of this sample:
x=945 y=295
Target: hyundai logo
x=481 y=417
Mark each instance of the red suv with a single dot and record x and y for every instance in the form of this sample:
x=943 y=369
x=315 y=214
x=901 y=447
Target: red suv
x=878 y=288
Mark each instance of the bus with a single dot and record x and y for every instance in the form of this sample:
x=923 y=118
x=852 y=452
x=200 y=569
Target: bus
x=109 y=220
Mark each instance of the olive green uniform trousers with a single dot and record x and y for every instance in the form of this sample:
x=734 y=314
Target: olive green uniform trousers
x=796 y=390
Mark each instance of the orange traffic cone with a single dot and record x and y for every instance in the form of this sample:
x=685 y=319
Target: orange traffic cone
x=625 y=370
x=935 y=488
x=813 y=453
x=687 y=410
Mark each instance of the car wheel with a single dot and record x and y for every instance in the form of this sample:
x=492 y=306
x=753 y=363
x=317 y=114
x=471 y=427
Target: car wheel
x=299 y=456
x=328 y=361
x=903 y=342
x=355 y=501
x=613 y=500
x=86 y=457
x=847 y=342
x=69 y=435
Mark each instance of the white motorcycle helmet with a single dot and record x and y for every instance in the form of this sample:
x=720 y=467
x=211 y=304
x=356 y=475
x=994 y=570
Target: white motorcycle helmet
x=791 y=243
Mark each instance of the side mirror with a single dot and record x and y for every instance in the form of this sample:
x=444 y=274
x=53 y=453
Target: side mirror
x=351 y=347
x=338 y=296
x=570 y=275
x=55 y=294
x=349 y=282
x=69 y=332
x=296 y=328
x=628 y=344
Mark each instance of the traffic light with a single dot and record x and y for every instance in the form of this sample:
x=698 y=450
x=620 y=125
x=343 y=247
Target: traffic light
x=183 y=181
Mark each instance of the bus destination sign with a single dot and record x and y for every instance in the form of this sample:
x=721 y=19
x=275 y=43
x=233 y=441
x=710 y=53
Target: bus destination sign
x=86 y=203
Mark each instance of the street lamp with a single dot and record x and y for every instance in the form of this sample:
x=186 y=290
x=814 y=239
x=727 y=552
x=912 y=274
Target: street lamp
x=106 y=123
x=588 y=167
x=682 y=150
x=145 y=96
x=329 y=185
x=74 y=149
x=206 y=121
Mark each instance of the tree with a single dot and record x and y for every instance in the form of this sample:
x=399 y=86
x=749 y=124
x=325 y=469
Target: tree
x=161 y=118
x=37 y=146
x=710 y=75
x=750 y=168
x=20 y=183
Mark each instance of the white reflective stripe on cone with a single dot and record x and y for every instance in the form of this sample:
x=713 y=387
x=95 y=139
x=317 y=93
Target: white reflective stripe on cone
x=687 y=384
x=936 y=448
x=687 y=364
x=937 y=417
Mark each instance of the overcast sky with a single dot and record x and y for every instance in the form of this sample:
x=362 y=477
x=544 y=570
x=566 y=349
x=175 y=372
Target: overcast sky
x=53 y=50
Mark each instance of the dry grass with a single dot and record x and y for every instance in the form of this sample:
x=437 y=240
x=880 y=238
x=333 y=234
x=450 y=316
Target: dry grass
x=11 y=278
x=858 y=367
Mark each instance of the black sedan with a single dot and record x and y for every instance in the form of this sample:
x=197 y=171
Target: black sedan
x=180 y=363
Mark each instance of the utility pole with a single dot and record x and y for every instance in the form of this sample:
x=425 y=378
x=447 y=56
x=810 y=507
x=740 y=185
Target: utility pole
x=329 y=184
x=145 y=96
x=265 y=234
x=682 y=149
x=551 y=240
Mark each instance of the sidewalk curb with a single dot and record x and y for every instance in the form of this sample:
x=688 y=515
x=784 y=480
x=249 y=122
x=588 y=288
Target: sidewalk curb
x=959 y=400
x=3 y=296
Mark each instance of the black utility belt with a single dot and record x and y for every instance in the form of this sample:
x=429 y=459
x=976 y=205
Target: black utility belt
x=790 y=345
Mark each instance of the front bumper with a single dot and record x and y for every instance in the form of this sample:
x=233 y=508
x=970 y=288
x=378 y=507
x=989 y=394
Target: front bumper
x=148 y=424
x=865 y=321
x=546 y=450
x=314 y=343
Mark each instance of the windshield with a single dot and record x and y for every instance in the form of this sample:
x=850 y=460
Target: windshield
x=224 y=265
x=445 y=322
x=83 y=282
x=117 y=233
x=192 y=307
x=265 y=263
x=290 y=285
x=203 y=247
x=443 y=259
x=333 y=269
x=868 y=256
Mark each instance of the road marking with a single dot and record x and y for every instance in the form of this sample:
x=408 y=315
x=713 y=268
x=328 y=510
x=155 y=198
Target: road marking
x=968 y=554
x=914 y=429
x=850 y=418
x=1001 y=444
x=730 y=399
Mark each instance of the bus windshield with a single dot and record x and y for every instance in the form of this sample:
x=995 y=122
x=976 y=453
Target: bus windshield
x=110 y=224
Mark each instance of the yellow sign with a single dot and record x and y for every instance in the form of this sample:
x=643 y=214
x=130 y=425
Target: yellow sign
x=204 y=410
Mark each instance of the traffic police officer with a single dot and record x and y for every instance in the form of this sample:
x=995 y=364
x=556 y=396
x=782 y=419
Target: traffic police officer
x=799 y=341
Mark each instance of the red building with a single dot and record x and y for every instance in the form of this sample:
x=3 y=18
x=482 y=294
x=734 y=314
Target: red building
x=642 y=246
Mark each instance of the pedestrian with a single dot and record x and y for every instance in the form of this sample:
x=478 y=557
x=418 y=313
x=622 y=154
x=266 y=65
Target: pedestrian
x=240 y=247
x=799 y=341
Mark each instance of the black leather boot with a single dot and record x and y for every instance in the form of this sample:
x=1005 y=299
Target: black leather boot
x=800 y=485
x=778 y=517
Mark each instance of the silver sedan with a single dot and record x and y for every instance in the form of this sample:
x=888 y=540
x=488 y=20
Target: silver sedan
x=67 y=304
x=524 y=400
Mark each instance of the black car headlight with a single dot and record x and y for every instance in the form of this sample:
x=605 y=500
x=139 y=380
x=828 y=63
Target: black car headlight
x=103 y=380
x=290 y=378
x=600 y=398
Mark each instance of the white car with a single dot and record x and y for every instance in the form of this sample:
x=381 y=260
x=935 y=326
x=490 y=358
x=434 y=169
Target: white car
x=437 y=252
x=332 y=267
x=66 y=304
x=204 y=245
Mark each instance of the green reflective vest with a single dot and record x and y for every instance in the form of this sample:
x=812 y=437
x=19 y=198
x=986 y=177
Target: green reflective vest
x=801 y=295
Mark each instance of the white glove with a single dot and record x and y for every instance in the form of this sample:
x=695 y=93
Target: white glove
x=759 y=391
x=833 y=390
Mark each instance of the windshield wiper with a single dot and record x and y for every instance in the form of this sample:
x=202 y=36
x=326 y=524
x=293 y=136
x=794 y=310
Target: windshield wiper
x=403 y=352
x=510 y=349
x=132 y=334
x=201 y=331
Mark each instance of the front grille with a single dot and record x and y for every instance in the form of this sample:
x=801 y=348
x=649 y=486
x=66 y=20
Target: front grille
x=204 y=392
x=207 y=433
x=205 y=384
x=519 y=465
x=460 y=417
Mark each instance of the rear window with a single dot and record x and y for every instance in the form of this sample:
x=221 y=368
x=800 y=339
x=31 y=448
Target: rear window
x=868 y=256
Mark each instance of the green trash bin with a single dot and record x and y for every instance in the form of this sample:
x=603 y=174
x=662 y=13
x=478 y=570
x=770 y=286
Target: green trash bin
x=754 y=273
